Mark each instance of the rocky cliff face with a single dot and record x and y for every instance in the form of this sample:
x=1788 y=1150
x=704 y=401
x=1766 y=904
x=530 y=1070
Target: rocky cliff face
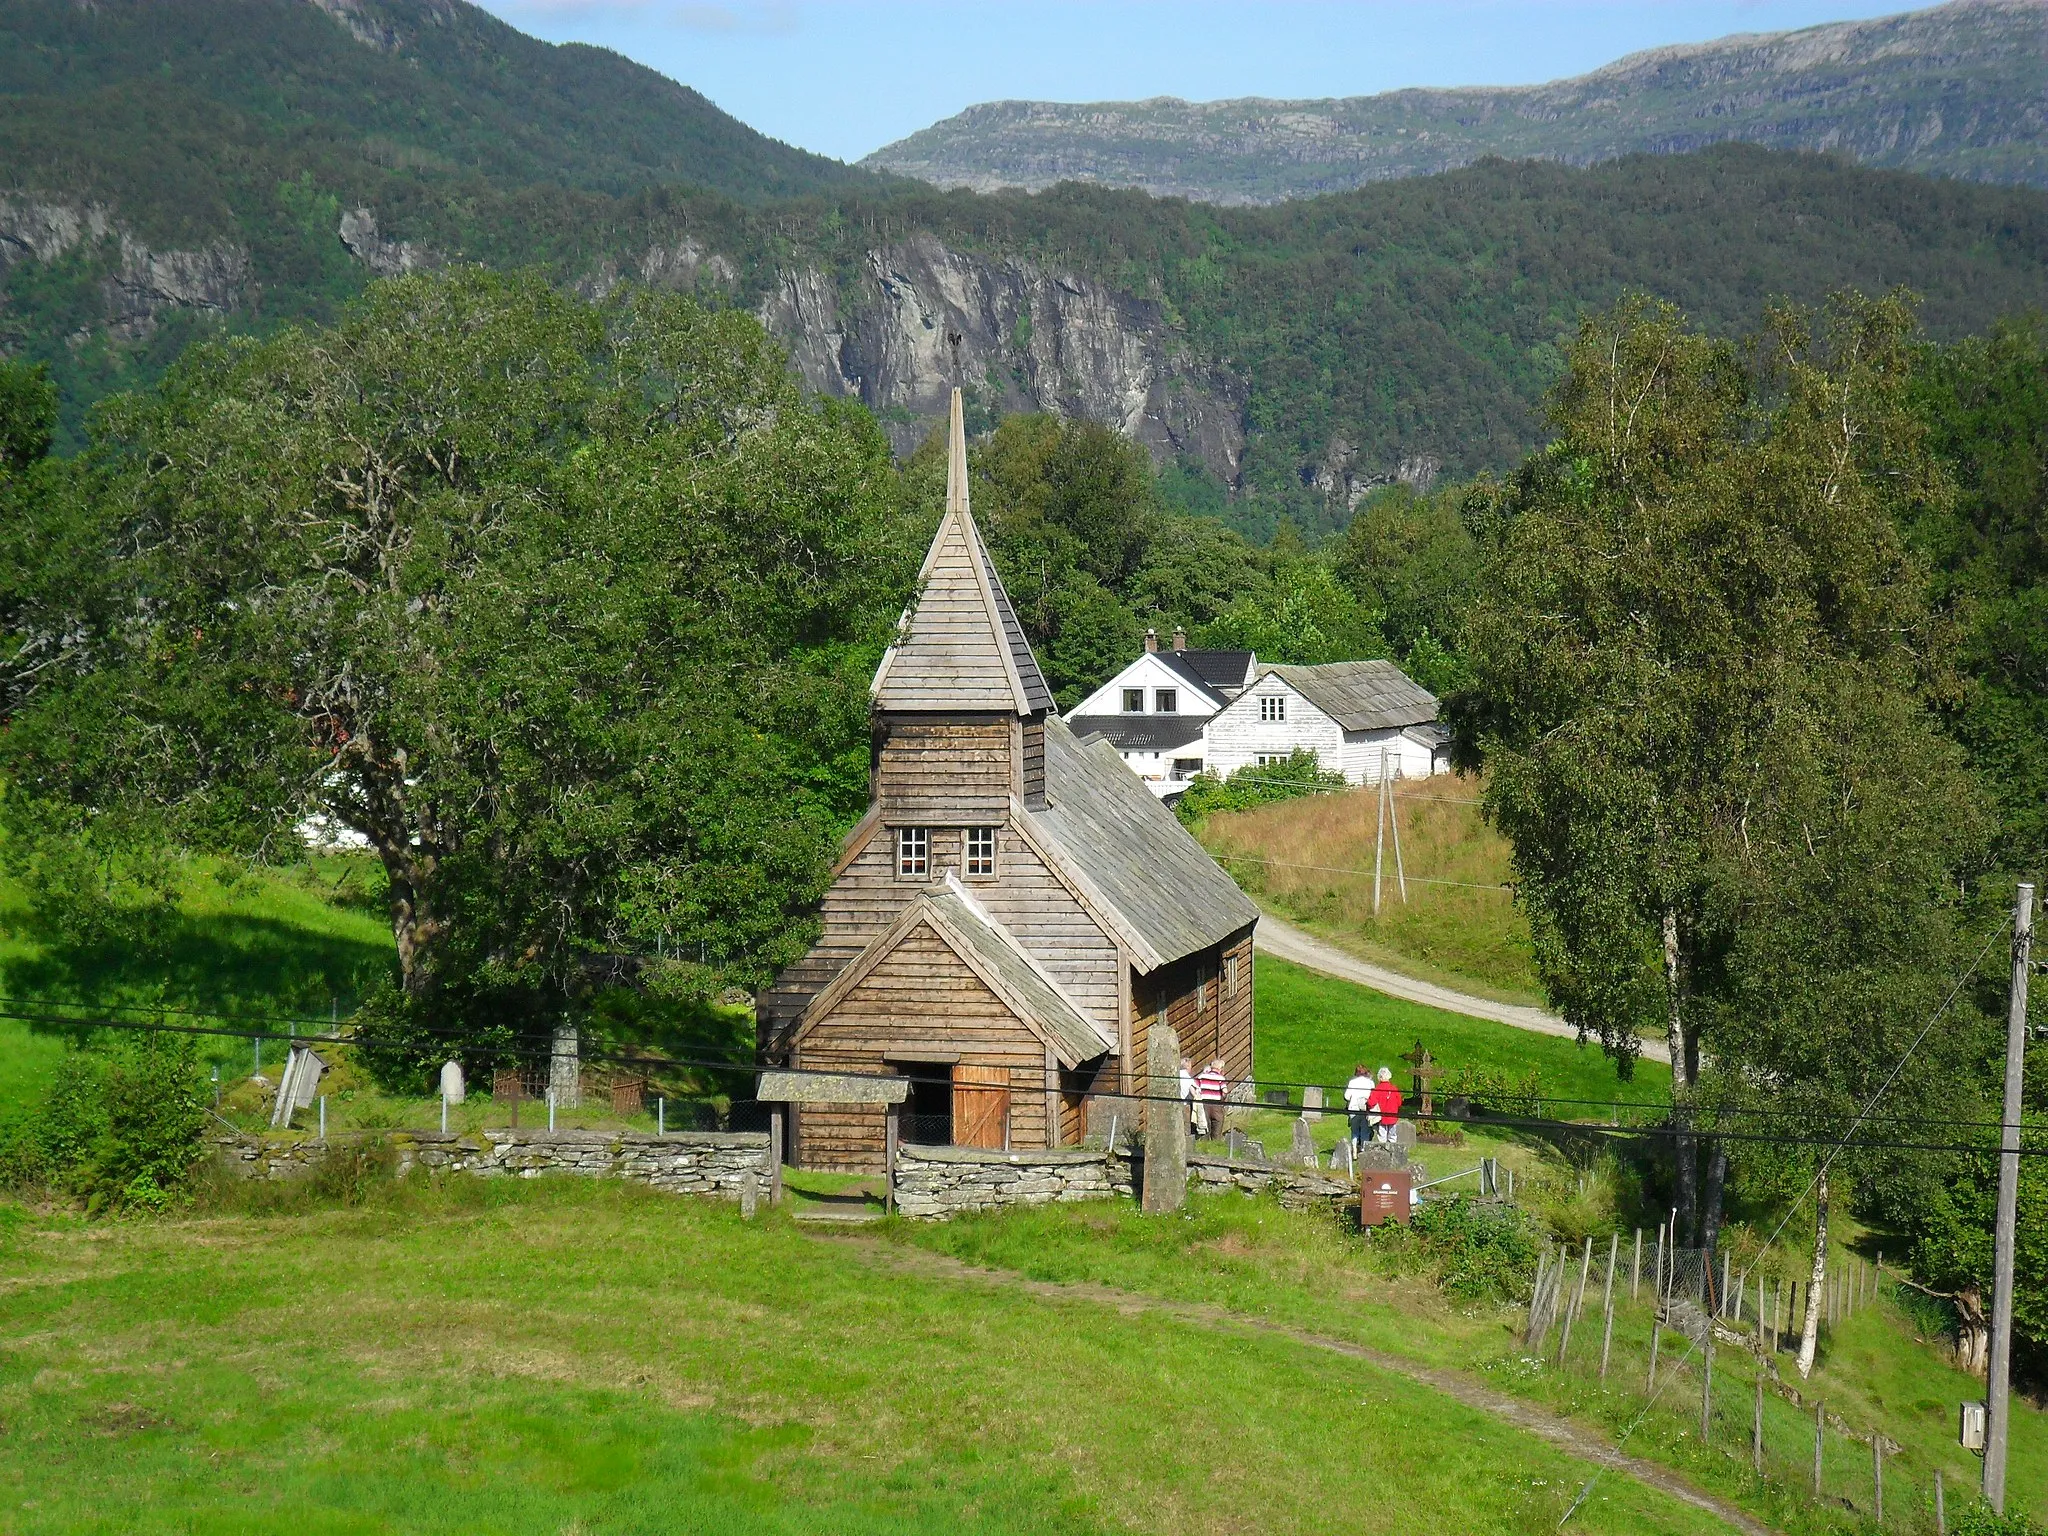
x=1961 y=89
x=141 y=283
x=920 y=318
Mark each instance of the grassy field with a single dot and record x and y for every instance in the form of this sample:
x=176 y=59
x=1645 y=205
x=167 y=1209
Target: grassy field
x=580 y=1357
x=1301 y=1271
x=1311 y=860
x=300 y=942
x=1313 y=1028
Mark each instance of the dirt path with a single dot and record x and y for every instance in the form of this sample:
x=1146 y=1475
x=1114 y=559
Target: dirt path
x=1546 y=1426
x=1278 y=937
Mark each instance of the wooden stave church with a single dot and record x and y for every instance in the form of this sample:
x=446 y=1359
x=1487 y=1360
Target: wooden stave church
x=1029 y=980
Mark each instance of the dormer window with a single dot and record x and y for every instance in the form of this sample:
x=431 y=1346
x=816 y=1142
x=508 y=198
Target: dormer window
x=913 y=852
x=981 y=853
x=1166 y=700
x=1134 y=701
x=1273 y=709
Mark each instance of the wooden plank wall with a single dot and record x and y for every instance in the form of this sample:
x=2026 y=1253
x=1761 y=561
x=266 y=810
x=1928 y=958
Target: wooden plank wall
x=1212 y=1016
x=1032 y=769
x=951 y=773
x=921 y=992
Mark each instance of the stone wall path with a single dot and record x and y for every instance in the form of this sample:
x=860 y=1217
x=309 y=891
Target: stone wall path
x=1281 y=939
x=1574 y=1439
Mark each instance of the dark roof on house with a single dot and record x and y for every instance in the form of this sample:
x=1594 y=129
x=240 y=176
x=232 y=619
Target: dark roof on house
x=1139 y=733
x=1178 y=664
x=1130 y=853
x=1216 y=669
x=1362 y=695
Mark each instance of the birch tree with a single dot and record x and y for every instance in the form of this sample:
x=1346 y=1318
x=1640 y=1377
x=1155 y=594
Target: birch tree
x=1695 y=599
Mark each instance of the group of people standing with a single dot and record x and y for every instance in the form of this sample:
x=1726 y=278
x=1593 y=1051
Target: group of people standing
x=1372 y=1100
x=1374 y=1104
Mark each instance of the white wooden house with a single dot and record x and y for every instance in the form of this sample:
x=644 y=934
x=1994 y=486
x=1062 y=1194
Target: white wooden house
x=1361 y=718
x=1155 y=710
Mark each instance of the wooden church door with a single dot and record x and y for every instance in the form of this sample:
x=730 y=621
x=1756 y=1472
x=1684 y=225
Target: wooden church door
x=981 y=1107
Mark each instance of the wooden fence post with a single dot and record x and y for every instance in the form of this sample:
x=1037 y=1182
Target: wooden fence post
x=1656 y=1339
x=1877 y=1474
x=1707 y=1389
x=1607 y=1306
x=1820 y=1430
x=1940 y=1507
x=1756 y=1425
x=1635 y=1273
x=1573 y=1307
x=889 y=1160
x=775 y=1157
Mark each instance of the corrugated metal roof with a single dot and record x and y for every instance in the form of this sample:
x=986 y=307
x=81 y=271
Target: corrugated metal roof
x=1121 y=843
x=1361 y=695
x=1138 y=733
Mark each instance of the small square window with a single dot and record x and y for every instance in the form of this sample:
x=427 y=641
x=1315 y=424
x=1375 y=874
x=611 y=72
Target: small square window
x=1134 y=701
x=913 y=851
x=1166 y=701
x=1273 y=708
x=1230 y=974
x=981 y=853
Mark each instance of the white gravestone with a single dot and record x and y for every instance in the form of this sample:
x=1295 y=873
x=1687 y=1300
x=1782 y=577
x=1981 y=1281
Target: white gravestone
x=452 y=1089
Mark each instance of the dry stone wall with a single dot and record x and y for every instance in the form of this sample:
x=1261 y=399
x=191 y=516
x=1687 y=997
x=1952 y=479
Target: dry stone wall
x=716 y=1163
x=936 y=1182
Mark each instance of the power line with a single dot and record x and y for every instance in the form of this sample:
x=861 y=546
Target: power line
x=1344 y=869
x=1485 y=1118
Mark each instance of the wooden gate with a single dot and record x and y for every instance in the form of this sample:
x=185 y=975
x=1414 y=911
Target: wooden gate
x=981 y=1107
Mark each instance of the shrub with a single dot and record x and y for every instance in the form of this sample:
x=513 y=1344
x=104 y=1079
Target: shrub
x=1481 y=1252
x=1978 y=1520
x=119 y=1128
x=1302 y=774
x=1490 y=1088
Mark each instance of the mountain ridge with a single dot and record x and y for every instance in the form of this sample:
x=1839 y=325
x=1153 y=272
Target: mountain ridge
x=1956 y=90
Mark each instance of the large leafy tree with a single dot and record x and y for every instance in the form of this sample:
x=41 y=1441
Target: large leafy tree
x=566 y=611
x=1703 y=667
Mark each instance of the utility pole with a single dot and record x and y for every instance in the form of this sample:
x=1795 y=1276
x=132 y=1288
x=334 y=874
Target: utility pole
x=1998 y=1394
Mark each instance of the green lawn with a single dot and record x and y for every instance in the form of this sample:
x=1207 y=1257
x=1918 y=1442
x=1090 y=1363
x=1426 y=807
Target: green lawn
x=300 y=942
x=1313 y=1028
x=569 y=1356
x=1301 y=1270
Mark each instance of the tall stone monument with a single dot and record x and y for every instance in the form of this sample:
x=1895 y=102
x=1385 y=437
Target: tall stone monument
x=1166 y=1123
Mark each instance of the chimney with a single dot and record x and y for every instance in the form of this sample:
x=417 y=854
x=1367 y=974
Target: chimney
x=1152 y=642
x=1180 y=638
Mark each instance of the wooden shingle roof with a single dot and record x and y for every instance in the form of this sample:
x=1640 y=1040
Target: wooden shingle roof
x=960 y=645
x=1361 y=695
x=1132 y=855
x=992 y=953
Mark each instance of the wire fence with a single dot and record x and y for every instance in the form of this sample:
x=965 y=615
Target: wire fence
x=1705 y=1371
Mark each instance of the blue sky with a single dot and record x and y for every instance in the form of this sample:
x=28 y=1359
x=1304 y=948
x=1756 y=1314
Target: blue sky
x=845 y=77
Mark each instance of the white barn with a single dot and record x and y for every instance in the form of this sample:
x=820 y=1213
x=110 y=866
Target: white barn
x=1360 y=718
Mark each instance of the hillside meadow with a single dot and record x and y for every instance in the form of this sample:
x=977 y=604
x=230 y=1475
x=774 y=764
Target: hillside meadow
x=563 y=1356
x=1312 y=859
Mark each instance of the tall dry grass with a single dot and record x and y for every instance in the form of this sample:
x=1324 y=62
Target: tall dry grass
x=1312 y=860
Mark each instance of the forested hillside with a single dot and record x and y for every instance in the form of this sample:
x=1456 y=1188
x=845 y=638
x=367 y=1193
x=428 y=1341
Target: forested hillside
x=1956 y=90
x=240 y=164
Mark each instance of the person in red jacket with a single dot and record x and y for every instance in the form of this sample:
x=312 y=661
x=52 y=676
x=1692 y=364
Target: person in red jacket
x=1384 y=1106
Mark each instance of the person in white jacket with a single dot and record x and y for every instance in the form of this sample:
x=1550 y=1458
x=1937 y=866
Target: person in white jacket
x=1187 y=1095
x=1357 y=1094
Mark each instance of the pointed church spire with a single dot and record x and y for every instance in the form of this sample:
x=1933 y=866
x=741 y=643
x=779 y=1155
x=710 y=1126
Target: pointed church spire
x=960 y=646
x=956 y=460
